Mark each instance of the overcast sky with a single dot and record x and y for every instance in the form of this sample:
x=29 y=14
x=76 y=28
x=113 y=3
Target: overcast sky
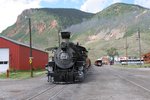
x=10 y=9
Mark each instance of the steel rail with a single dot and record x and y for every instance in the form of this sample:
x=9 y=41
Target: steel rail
x=38 y=94
x=130 y=81
x=57 y=93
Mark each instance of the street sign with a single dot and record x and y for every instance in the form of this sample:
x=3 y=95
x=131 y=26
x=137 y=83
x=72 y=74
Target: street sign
x=30 y=60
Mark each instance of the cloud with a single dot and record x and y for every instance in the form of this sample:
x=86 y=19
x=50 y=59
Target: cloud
x=144 y=3
x=115 y=1
x=10 y=9
x=96 y=5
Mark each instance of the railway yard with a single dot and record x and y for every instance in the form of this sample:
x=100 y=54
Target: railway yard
x=101 y=83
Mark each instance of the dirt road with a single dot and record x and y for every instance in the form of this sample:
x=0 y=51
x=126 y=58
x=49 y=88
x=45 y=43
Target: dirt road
x=101 y=83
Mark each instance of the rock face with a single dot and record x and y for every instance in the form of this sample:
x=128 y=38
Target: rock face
x=45 y=22
x=40 y=27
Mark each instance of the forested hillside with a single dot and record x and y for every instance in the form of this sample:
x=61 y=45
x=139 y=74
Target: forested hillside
x=45 y=24
x=110 y=28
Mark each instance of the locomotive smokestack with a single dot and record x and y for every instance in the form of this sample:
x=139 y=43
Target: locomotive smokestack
x=65 y=36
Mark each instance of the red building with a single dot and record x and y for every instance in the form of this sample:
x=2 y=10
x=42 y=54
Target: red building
x=15 y=56
x=146 y=58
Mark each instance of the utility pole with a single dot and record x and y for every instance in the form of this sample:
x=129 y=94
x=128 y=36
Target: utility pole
x=139 y=45
x=30 y=58
x=126 y=50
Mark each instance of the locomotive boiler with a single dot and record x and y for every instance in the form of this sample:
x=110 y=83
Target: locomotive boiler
x=69 y=63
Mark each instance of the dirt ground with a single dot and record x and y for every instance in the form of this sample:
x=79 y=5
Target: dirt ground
x=101 y=83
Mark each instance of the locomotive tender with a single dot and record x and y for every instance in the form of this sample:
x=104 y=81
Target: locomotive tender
x=70 y=62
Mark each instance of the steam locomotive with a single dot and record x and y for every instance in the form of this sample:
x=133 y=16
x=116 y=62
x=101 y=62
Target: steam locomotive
x=70 y=62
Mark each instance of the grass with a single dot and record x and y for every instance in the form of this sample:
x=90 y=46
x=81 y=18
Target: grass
x=135 y=66
x=21 y=74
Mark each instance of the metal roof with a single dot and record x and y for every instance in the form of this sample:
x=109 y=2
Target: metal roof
x=19 y=43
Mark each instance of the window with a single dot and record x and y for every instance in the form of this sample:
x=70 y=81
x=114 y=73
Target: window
x=3 y=62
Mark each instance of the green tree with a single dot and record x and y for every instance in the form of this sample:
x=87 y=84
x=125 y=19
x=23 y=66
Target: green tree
x=112 y=52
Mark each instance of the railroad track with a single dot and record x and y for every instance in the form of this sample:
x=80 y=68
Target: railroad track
x=49 y=93
x=121 y=76
x=40 y=93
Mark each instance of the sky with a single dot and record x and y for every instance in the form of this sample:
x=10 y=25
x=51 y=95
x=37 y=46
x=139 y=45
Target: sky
x=10 y=9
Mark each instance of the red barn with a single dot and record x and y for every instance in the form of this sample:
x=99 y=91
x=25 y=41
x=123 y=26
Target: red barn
x=15 y=56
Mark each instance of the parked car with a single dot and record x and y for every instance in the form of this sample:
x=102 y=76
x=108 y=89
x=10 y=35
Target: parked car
x=98 y=62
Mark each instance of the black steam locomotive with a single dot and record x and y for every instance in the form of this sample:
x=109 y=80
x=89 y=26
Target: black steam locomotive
x=70 y=62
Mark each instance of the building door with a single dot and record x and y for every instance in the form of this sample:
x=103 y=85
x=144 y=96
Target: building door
x=4 y=59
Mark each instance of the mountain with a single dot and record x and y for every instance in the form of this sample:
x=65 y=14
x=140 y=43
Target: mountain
x=111 y=27
x=45 y=24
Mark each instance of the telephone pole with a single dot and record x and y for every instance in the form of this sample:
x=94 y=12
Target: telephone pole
x=126 y=47
x=30 y=36
x=139 y=36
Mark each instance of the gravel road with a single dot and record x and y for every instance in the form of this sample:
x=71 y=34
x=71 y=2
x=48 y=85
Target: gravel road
x=101 y=83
